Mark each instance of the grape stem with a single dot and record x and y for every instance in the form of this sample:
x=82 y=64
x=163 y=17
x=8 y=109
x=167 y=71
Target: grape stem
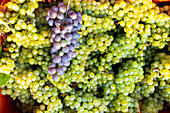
x=2 y=2
x=18 y=3
x=5 y=24
x=67 y=7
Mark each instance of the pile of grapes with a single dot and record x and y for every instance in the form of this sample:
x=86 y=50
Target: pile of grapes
x=86 y=56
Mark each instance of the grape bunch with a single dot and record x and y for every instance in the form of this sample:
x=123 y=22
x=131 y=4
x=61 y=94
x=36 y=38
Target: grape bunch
x=22 y=22
x=87 y=102
x=7 y=65
x=65 y=23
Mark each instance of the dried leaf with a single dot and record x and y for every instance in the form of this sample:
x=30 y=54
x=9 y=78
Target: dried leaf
x=2 y=8
x=3 y=5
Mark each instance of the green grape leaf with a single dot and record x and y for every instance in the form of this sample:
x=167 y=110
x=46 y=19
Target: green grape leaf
x=3 y=79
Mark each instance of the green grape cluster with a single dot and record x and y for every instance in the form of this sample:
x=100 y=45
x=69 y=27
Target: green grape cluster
x=21 y=20
x=7 y=65
x=112 y=2
x=130 y=73
x=41 y=23
x=152 y=104
x=96 y=25
x=125 y=104
x=85 y=103
x=160 y=69
x=33 y=85
x=97 y=9
x=25 y=58
x=153 y=89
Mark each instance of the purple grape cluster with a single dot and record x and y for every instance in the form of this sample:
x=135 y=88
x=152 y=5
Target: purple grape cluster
x=65 y=23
